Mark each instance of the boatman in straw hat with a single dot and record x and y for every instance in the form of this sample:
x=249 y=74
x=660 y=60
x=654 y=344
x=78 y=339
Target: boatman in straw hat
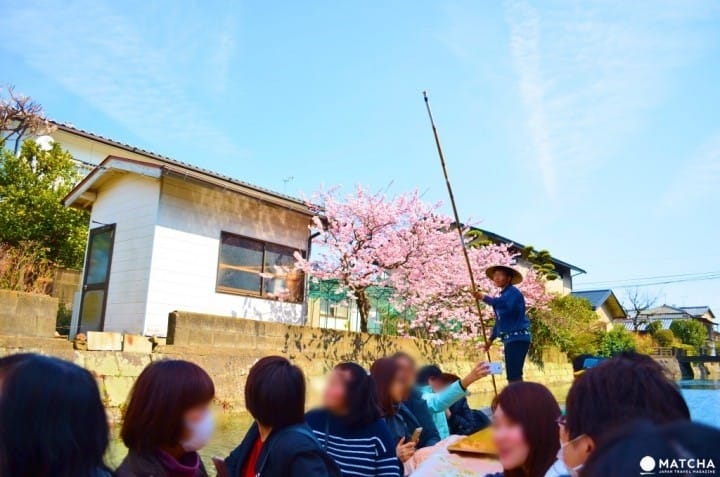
x=512 y=325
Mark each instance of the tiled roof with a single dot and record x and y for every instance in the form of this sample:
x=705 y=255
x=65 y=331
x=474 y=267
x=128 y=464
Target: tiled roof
x=159 y=157
x=697 y=310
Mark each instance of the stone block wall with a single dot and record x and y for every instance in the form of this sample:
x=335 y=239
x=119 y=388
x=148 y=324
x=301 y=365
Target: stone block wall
x=227 y=347
x=27 y=314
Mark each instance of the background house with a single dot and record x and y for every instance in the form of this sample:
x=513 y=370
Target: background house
x=605 y=304
x=168 y=236
x=563 y=285
x=666 y=314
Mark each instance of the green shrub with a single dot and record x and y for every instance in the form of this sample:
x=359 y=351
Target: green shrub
x=567 y=323
x=689 y=332
x=653 y=327
x=664 y=338
x=616 y=341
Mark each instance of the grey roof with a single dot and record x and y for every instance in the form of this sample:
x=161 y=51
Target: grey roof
x=595 y=297
x=698 y=310
x=159 y=157
x=499 y=238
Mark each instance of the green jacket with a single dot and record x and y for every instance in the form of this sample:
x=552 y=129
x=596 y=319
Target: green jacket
x=439 y=402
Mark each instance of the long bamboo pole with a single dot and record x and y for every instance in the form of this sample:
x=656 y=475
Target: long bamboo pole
x=473 y=284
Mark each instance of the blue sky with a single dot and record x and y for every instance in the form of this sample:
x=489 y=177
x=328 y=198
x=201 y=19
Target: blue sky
x=587 y=128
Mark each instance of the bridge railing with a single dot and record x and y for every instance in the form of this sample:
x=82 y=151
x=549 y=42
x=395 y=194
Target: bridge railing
x=662 y=351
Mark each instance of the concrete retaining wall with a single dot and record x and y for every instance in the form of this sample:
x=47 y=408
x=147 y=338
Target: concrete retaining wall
x=27 y=314
x=227 y=347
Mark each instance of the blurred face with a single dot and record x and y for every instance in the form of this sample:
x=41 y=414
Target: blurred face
x=501 y=278
x=334 y=396
x=574 y=452
x=398 y=389
x=406 y=375
x=437 y=385
x=199 y=427
x=509 y=439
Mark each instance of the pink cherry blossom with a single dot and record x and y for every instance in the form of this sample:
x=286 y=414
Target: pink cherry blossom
x=405 y=244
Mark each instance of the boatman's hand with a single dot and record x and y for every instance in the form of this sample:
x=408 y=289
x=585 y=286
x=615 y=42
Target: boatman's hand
x=478 y=295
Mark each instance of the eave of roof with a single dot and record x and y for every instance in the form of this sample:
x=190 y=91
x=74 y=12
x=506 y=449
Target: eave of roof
x=183 y=165
x=499 y=238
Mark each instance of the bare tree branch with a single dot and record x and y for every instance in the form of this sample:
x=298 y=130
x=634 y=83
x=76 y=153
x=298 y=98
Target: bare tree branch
x=20 y=115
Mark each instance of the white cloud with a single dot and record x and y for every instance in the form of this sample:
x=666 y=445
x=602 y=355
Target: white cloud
x=104 y=56
x=525 y=48
x=589 y=73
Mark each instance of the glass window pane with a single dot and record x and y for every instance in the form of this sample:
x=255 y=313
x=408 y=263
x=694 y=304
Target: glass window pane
x=99 y=259
x=281 y=279
x=240 y=264
x=92 y=308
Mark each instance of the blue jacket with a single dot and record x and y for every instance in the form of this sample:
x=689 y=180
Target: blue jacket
x=511 y=322
x=288 y=452
x=419 y=409
x=438 y=403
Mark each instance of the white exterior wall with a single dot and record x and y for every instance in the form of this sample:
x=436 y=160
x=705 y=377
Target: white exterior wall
x=186 y=247
x=90 y=151
x=131 y=202
x=561 y=286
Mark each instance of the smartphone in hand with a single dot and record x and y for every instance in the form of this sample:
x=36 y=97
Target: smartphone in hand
x=496 y=367
x=416 y=435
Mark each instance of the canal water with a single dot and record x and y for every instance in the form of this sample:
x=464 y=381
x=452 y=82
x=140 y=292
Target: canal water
x=703 y=398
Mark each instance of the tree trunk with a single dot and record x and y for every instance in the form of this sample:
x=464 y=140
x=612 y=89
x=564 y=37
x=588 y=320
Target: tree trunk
x=363 y=305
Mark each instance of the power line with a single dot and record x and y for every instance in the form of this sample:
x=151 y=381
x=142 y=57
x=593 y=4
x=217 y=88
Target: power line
x=659 y=280
x=658 y=277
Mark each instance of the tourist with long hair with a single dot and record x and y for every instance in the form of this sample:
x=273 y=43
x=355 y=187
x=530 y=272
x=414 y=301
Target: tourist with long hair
x=167 y=421
x=52 y=420
x=350 y=426
x=401 y=422
x=279 y=443
x=524 y=429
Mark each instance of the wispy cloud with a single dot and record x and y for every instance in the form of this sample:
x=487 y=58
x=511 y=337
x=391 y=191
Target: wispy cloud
x=589 y=73
x=100 y=54
x=697 y=180
x=525 y=48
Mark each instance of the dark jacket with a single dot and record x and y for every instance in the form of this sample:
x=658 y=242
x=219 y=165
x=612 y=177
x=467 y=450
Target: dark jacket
x=511 y=322
x=417 y=406
x=465 y=421
x=146 y=465
x=288 y=452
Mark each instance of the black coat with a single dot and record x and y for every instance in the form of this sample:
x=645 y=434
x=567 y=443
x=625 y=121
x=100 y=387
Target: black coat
x=466 y=421
x=418 y=407
x=146 y=465
x=288 y=452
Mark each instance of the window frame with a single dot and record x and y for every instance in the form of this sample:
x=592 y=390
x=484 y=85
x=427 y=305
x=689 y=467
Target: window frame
x=261 y=294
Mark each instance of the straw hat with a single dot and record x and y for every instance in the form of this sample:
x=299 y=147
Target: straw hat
x=516 y=276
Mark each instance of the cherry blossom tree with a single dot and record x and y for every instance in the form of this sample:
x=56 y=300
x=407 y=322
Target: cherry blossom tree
x=402 y=243
x=366 y=237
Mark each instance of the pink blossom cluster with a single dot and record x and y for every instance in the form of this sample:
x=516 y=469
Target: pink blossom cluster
x=369 y=239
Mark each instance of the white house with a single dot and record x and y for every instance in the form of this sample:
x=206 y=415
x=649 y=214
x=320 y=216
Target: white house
x=166 y=235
